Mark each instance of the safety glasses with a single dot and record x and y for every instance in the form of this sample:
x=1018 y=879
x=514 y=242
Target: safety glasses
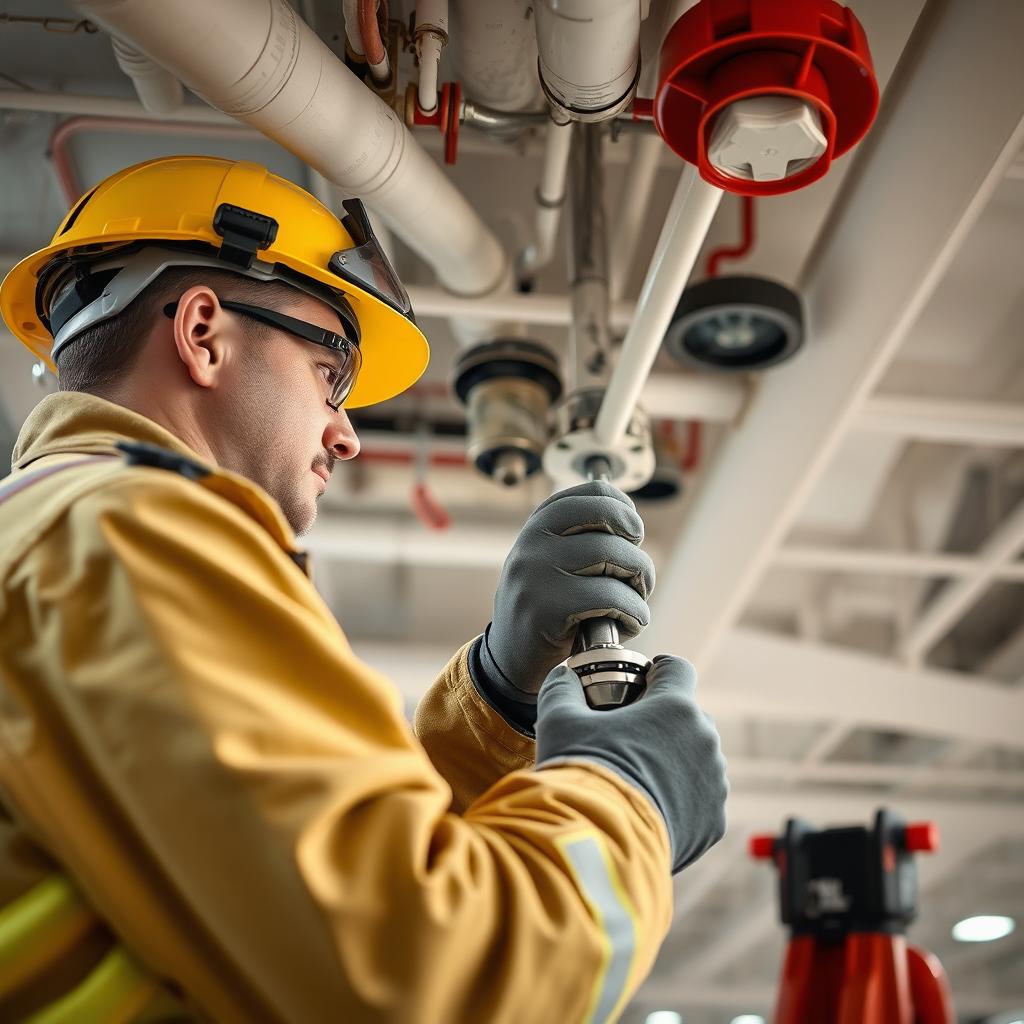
x=366 y=266
x=342 y=377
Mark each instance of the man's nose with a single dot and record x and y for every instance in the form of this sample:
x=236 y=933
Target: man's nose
x=340 y=436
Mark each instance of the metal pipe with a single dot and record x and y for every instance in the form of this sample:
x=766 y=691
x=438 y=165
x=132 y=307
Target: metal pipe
x=689 y=218
x=105 y=106
x=552 y=310
x=589 y=333
x=630 y=213
x=550 y=198
x=501 y=122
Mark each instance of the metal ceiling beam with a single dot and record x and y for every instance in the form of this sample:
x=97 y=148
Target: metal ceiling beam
x=951 y=603
x=882 y=562
x=898 y=775
x=763 y=675
x=941 y=145
x=945 y=420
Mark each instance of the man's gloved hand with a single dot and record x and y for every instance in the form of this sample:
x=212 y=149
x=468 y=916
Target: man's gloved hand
x=662 y=743
x=577 y=557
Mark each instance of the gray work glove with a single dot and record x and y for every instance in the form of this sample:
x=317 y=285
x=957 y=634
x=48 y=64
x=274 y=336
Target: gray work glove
x=577 y=557
x=662 y=743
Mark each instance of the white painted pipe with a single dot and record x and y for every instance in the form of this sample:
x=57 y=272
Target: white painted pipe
x=550 y=200
x=429 y=47
x=632 y=207
x=353 y=36
x=106 y=106
x=158 y=90
x=589 y=55
x=263 y=65
x=689 y=218
x=431 y=37
x=552 y=310
x=495 y=51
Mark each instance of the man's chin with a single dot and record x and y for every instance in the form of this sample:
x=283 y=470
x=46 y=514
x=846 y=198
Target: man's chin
x=301 y=528
x=300 y=516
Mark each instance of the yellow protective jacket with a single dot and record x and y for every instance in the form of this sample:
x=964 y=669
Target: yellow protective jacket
x=185 y=731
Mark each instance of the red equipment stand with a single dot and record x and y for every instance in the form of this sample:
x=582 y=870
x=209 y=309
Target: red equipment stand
x=847 y=896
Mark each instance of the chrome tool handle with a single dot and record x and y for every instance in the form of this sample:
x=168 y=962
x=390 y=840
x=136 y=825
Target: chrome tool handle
x=612 y=676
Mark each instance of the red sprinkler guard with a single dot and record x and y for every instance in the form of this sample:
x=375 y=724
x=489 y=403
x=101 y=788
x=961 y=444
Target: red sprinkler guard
x=721 y=51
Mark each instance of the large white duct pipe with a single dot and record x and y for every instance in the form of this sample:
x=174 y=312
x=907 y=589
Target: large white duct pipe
x=260 y=63
x=589 y=55
x=496 y=52
x=158 y=90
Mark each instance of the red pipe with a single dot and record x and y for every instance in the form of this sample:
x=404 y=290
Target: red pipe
x=67 y=130
x=369 y=29
x=691 y=459
x=429 y=511
x=735 y=252
x=403 y=458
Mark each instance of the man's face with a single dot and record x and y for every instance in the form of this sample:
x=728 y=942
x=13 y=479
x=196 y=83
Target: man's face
x=276 y=427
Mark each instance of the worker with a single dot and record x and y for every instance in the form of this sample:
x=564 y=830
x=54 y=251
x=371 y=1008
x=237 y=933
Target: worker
x=186 y=736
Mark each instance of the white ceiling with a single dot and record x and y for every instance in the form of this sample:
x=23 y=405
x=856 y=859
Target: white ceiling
x=825 y=710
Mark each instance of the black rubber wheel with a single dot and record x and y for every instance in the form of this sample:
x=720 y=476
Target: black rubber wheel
x=736 y=324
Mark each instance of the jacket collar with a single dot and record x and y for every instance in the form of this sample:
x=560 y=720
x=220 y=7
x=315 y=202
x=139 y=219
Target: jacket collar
x=70 y=421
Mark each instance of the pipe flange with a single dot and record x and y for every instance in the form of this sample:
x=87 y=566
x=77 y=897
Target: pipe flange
x=560 y=107
x=507 y=357
x=631 y=463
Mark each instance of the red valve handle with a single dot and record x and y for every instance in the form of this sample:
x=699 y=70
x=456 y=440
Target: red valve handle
x=921 y=837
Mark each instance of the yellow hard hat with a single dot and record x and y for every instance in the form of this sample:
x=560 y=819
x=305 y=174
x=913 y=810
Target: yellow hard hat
x=208 y=211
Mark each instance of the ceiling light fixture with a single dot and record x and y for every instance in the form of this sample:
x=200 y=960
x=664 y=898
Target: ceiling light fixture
x=983 y=928
x=664 y=1017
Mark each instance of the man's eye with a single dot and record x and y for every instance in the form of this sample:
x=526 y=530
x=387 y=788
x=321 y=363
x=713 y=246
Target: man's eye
x=330 y=373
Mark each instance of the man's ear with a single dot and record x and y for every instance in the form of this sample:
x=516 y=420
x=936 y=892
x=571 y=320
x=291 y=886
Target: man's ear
x=202 y=333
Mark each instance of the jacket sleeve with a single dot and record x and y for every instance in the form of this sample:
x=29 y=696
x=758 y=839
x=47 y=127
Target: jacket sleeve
x=200 y=688
x=469 y=742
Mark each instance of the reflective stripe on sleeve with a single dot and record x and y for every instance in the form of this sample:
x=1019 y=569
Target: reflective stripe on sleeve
x=598 y=882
